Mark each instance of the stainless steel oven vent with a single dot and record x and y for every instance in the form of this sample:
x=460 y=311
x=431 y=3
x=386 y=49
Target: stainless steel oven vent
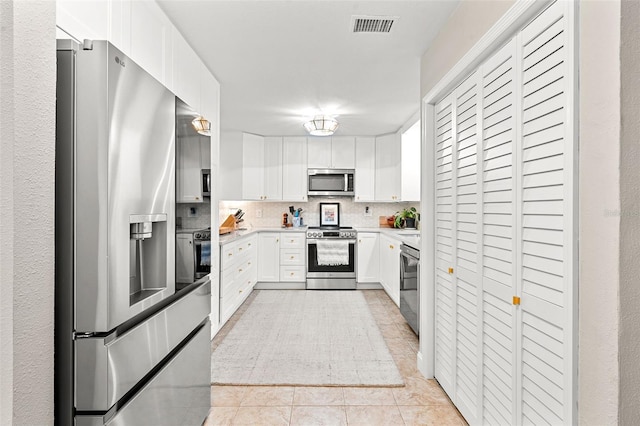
x=372 y=24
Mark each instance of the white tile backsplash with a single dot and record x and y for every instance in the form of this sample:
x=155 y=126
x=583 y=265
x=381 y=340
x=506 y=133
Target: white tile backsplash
x=351 y=214
x=202 y=220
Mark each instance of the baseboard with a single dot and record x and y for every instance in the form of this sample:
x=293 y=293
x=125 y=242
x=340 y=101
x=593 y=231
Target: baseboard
x=280 y=286
x=369 y=286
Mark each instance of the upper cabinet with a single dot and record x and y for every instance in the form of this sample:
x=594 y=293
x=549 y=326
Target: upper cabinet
x=252 y=167
x=365 y=169
x=335 y=152
x=388 y=168
x=294 y=168
x=187 y=71
x=261 y=168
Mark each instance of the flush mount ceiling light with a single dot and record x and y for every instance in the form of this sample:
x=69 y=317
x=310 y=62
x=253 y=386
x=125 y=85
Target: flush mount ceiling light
x=321 y=125
x=202 y=125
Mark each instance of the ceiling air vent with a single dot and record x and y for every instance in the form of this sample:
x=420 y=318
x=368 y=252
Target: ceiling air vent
x=372 y=24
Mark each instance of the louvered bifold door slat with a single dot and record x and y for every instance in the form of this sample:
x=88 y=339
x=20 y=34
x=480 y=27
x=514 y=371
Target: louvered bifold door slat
x=445 y=246
x=546 y=211
x=498 y=94
x=467 y=254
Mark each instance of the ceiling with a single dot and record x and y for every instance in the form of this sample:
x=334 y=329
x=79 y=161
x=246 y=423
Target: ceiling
x=281 y=62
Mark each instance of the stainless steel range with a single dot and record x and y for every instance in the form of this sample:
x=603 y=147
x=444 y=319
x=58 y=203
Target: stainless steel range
x=331 y=258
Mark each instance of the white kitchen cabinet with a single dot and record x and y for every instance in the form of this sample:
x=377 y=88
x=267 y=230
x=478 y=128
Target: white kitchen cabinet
x=331 y=152
x=252 y=167
x=269 y=257
x=272 y=168
x=292 y=257
x=86 y=19
x=294 y=168
x=319 y=152
x=388 y=168
x=368 y=257
x=238 y=265
x=365 y=169
x=343 y=152
x=261 y=168
x=209 y=97
x=120 y=25
x=184 y=258
x=189 y=170
x=205 y=152
x=390 y=267
x=151 y=41
x=186 y=72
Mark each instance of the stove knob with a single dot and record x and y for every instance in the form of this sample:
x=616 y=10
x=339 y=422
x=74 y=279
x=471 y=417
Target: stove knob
x=196 y=235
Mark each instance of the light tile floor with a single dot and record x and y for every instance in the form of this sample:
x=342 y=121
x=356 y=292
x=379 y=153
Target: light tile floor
x=419 y=402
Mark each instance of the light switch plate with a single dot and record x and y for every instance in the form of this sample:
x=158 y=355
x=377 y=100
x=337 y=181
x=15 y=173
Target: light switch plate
x=259 y=213
x=367 y=211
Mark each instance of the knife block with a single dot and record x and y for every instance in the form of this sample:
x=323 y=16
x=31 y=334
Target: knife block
x=229 y=225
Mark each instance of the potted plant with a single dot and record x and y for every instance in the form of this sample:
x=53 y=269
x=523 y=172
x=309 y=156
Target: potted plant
x=406 y=218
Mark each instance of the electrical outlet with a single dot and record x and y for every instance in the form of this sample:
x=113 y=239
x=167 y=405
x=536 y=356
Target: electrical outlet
x=367 y=211
x=259 y=213
x=193 y=212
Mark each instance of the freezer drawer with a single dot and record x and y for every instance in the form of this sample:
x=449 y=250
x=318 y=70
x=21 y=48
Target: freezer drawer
x=179 y=394
x=107 y=368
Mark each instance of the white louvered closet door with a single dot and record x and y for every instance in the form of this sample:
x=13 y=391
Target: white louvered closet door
x=505 y=231
x=499 y=237
x=546 y=211
x=467 y=260
x=444 y=289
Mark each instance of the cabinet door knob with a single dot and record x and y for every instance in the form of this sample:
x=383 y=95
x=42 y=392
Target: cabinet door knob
x=239 y=269
x=292 y=273
x=239 y=291
x=292 y=240
x=360 y=241
x=451 y=270
x=292 y=257
x=248 y=244
x=390 y=246
x=277 y=240
x=230 y=254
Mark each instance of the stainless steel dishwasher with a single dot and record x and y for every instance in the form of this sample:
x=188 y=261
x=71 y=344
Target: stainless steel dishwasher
x=410 y=285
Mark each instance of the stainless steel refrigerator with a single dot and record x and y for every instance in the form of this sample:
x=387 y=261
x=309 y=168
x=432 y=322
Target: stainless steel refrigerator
x=129 y=349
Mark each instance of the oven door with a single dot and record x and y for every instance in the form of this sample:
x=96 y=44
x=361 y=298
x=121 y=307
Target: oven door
x=202 y=263
x=330 y=271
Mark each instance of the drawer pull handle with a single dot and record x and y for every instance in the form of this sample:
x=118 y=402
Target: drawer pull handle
x=451 y=270
x=240 y=291
x=391 y=246
x=292 y=273
x=230 y=254
x=292 y=257
x=292 y=240
x=239 y=269
x=249 y=244
x=239 y=248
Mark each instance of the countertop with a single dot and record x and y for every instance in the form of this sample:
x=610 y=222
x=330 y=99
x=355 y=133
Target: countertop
x=240 y=233
x=408 y=236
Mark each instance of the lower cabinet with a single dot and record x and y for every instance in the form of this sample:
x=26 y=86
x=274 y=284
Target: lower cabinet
x=390 y=267
x=185 y=264
x=293 y=264
x=269 y=257
x=239 y=273
x=368 y=266
x=281 y=257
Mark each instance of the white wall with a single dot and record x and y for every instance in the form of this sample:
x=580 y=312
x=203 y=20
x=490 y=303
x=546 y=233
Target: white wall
x=470 y=21
x=630 y=218
x=599 y=201
x=230 y=176
x=27 y=143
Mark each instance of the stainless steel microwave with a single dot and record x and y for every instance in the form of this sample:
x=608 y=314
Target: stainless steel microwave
x=331 y=182
x=206 y=182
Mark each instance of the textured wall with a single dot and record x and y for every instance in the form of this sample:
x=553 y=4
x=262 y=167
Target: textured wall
x=6 y=212
x=599 y=212
x=630 y=218
x=470 y=21
x=27 y=256
x=352 y=214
